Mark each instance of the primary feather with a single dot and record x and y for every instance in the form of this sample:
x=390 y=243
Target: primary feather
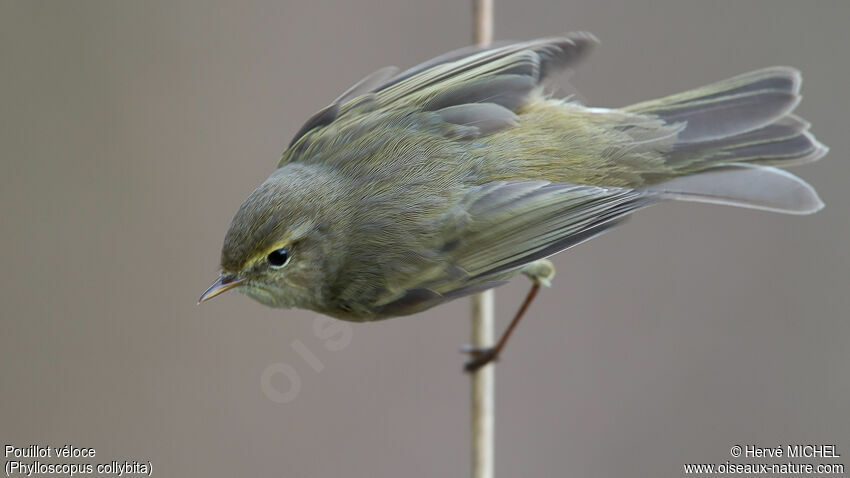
x=418 y=187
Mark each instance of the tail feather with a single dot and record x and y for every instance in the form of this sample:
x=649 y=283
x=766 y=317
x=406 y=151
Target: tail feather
x=734 y=134
x=784 y=143
x=745 y=185
x=729 y=107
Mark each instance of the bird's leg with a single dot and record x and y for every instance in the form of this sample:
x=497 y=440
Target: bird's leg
x=483 y=356
x=540 y=273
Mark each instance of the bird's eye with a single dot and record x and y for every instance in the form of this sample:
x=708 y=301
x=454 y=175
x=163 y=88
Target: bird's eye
x=278 y=258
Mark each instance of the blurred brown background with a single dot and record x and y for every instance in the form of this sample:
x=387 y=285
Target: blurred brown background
x=131 y=131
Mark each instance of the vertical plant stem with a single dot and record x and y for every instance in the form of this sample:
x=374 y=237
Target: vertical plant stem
x=482 y=18
x=483 y=316
x=483 y=392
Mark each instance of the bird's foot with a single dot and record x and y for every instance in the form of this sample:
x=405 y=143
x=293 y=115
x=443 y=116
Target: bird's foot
x=540 y=272
x=480 y=356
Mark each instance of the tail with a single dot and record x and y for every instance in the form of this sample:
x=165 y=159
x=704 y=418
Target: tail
x=735 y=135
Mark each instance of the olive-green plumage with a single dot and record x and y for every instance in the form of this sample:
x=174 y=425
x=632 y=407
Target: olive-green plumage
x=415 y=188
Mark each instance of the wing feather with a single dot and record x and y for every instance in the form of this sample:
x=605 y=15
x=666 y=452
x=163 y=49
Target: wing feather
x=504 y=75
x=505 y=225
x=500 y=227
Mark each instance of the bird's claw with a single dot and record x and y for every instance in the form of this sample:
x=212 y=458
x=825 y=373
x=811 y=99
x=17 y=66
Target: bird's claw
x=481 y=356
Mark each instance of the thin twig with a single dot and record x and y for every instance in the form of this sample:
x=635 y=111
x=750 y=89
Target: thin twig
x=483 y=379
x=482 y=18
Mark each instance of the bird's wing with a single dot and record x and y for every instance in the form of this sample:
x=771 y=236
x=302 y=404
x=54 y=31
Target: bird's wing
x=501 y=226
x=466 y=71
x=467 y=87
x=504 y=225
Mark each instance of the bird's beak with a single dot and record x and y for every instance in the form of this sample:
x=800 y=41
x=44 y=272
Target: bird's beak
x=220 y=286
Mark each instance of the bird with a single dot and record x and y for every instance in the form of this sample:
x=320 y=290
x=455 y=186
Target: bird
x=414 y=188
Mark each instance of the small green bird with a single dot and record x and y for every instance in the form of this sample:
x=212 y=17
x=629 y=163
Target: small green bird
x=415 y=188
